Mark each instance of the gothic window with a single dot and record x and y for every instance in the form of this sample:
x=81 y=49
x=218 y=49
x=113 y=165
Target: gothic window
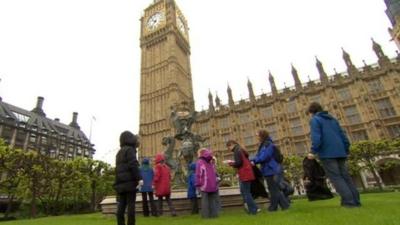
x=271 y=128
x=224 y=123
x=394 y=130
x=385 y=108
x=204 y=128
x=291 y=107
x=267 y=112
x=226 y=138
x=315 y=98
x=352 y=115
x=301 y=147
x=360 y=135
x=244 y=118
x=343 y=94
x=249 y=139
x=375 y=86
x=296 y=127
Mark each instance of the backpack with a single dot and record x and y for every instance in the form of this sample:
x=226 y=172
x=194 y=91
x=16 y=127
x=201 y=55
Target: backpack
x=278 y=155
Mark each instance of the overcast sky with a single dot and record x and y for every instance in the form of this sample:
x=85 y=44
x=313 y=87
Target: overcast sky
x=84 y=55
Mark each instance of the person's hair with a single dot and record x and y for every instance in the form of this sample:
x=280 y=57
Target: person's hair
x=314 y=108
x=231 y=142
x=263 y=134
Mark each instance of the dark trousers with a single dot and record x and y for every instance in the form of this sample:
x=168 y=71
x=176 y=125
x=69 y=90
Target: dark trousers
x=276 y=196
x=169 y=202
x=145 y=204
x=126 y=200
x=209 y=204
x=195 y=205
x=338 y=174
x=245 y=191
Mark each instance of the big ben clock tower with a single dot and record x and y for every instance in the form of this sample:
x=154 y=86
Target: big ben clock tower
x=166 y=78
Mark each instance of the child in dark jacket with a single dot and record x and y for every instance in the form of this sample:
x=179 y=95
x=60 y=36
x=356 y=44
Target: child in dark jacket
x=191 y=193
x=146 y=188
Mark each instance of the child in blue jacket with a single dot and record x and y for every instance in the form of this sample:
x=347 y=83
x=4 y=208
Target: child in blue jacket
x=146 y=188
x=191 y=192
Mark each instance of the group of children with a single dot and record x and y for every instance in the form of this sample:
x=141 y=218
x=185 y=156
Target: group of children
x=202 y=180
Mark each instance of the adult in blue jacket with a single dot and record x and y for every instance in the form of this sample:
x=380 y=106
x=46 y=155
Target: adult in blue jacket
x=146 y=188
x=331 y=145
x=271 y=170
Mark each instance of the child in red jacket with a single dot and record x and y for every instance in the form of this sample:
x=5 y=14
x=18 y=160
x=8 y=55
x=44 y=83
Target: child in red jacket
x=162 y=184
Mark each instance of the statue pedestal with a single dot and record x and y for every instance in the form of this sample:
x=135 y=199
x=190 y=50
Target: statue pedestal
x=230 y=198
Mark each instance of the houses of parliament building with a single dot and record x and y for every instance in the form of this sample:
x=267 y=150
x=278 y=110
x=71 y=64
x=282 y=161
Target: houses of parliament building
x=365 y=100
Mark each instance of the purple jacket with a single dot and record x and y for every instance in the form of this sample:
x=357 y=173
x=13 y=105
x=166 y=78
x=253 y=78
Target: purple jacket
x=206 y=175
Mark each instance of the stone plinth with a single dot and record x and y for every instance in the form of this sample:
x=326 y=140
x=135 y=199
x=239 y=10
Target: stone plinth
x=230 y=197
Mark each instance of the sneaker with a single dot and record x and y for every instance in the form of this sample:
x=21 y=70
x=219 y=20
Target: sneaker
x=258 y=210
x=246 y=207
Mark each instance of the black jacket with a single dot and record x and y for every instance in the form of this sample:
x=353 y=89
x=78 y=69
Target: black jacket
x=127 y=173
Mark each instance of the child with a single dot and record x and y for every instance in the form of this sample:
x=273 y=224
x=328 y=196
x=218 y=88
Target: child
x=162 y=184
x=206 y=181
x=191 y=193
x=146 y=188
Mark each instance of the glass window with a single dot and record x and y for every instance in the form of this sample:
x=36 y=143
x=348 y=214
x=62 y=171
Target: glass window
x=266 y=112
x=296 y=127
x=315 y=98
x=272 y=130
x=385 y=108
x=352 y=115
x=249 y=139
x=204 y=128
x=244 y=118
x=343 y=94
x=224 y=123
x=21 y=117
x=300 y=147
x=375 y=86
x=394 y=131
x=360 y=135
x=291 y=106
x=226 y=138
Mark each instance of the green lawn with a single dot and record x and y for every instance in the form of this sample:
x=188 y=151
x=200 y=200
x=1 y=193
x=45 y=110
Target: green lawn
x=377 y=209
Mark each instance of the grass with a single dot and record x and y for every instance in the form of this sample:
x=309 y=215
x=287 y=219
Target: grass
x=377 y=209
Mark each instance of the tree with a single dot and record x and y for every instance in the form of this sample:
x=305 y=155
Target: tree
x=293 y=167
x=363 y=155
x=10 y=169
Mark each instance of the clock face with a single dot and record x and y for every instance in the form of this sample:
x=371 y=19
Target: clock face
x=154 y=21
x=181 y=25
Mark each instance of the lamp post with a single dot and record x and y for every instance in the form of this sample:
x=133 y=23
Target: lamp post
x=91 y=126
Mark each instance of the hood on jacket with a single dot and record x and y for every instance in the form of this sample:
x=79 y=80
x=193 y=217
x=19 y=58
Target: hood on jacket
x=159 y=158
x=192 y=166
x=146 y=161
x=206 y=155
x=324 y=115
x=128 y=139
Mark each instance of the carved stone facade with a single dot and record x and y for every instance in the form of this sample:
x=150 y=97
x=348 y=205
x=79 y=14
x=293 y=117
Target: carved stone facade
x=365 y=100
x=166 y=78
x=32 y=130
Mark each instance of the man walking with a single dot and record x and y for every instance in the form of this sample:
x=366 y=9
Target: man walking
x=331 y=145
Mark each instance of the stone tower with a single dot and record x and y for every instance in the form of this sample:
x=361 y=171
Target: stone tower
x=393 y=12
x=166 y=78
